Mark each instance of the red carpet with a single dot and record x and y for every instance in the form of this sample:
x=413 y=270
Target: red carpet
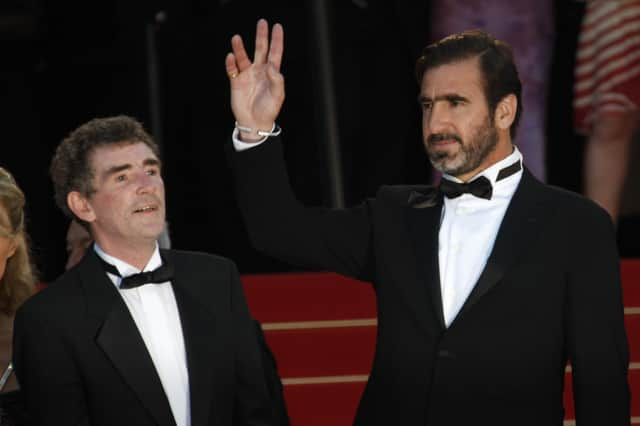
x=322 y=327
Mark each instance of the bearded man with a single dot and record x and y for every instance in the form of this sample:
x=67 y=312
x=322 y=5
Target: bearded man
x=486 y=285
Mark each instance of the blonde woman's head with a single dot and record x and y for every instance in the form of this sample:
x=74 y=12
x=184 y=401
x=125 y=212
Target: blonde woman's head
x=17 y=281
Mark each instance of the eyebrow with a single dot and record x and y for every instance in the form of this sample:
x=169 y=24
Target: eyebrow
x=151 y=162
x=450 y=97
x=120 y=168
x=115 y=169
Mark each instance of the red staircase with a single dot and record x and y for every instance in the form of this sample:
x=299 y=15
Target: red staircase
x=322 y=329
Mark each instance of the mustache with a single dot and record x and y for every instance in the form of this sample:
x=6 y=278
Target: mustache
x=437 y=137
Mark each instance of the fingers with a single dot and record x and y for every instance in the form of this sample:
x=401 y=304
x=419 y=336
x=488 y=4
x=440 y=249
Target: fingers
x=240 y=53
x=238 y=61
x=277 y=46
x=230 y=65
x=277 y=80
x=262 y=42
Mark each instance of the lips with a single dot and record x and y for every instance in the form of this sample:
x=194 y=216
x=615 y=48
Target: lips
x=444 y=142
x=443 y=139
x=146 y=209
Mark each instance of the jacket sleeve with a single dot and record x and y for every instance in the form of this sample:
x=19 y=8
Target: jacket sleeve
x=597 y=342
x=337 y=240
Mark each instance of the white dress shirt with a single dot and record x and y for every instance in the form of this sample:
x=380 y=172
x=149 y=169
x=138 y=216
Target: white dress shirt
x=468 y=232
x=155 y=312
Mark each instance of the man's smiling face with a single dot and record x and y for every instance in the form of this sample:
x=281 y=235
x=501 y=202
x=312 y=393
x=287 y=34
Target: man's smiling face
x=127 y=204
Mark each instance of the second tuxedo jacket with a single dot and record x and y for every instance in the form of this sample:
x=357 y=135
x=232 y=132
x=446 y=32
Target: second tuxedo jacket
x=549 y=293
x=81 y=360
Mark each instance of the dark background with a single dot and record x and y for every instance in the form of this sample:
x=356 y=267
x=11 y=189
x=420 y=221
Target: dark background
x=67 y=61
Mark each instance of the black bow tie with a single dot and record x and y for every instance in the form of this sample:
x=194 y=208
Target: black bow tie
x=480 y=187
x=161 y=274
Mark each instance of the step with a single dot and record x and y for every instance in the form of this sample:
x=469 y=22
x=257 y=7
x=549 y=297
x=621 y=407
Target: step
x=630 y=273
x=323 y=351
x=309 y=296
x=323 y=404
x=632 y=325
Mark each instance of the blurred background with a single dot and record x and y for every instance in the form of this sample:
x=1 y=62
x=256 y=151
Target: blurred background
x=67 y=61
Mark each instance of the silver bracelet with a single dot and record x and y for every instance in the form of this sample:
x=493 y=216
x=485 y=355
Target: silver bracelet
x=275 y=130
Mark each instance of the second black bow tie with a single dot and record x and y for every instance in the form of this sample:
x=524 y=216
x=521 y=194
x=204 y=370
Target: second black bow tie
x=161 y=274
x=480 y=187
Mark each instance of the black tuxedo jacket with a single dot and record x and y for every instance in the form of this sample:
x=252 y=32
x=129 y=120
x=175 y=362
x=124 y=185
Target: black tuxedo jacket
x=550 y=293
x=80 y=359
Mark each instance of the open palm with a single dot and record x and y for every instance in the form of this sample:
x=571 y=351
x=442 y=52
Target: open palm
x=257 y=88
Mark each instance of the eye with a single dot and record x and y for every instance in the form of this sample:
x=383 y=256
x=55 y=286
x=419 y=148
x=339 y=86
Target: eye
x=152 y=172
x=121 y=178
x=426 y=105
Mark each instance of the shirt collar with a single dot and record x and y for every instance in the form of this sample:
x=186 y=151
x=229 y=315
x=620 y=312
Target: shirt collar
x=123 y=267
x=492 y=171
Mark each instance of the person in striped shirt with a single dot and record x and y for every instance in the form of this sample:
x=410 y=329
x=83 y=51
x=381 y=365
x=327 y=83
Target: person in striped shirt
x=607 y=95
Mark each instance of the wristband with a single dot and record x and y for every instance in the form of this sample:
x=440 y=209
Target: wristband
x=275 y=130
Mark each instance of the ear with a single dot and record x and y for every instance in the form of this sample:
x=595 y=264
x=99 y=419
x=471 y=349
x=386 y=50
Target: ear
x=80 y=206
x=506 y=112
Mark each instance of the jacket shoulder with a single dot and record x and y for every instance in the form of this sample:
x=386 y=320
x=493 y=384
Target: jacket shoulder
x=200 y=267
x=576 y=207
x=55 y=299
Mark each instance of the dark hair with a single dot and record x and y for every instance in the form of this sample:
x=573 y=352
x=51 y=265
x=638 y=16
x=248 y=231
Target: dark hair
x=71 y=165
x=497 y=66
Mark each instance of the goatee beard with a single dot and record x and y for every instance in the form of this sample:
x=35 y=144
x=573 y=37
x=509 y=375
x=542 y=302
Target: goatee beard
x=469 y=156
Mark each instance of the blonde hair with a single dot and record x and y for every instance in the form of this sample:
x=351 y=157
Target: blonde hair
x=18 y=282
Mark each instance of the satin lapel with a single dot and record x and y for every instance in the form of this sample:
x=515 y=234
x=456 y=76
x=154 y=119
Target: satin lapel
x=424 y=224
x=199 y=332
x=519 y=229
x=118 y=336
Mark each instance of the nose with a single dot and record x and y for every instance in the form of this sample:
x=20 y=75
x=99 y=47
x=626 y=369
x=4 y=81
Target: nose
x=147 y=183
x=436 y=119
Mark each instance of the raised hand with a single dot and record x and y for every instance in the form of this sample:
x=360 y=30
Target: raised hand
x=257 y=88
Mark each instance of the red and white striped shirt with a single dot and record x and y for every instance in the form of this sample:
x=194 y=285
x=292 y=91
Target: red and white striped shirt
x=607 y=73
